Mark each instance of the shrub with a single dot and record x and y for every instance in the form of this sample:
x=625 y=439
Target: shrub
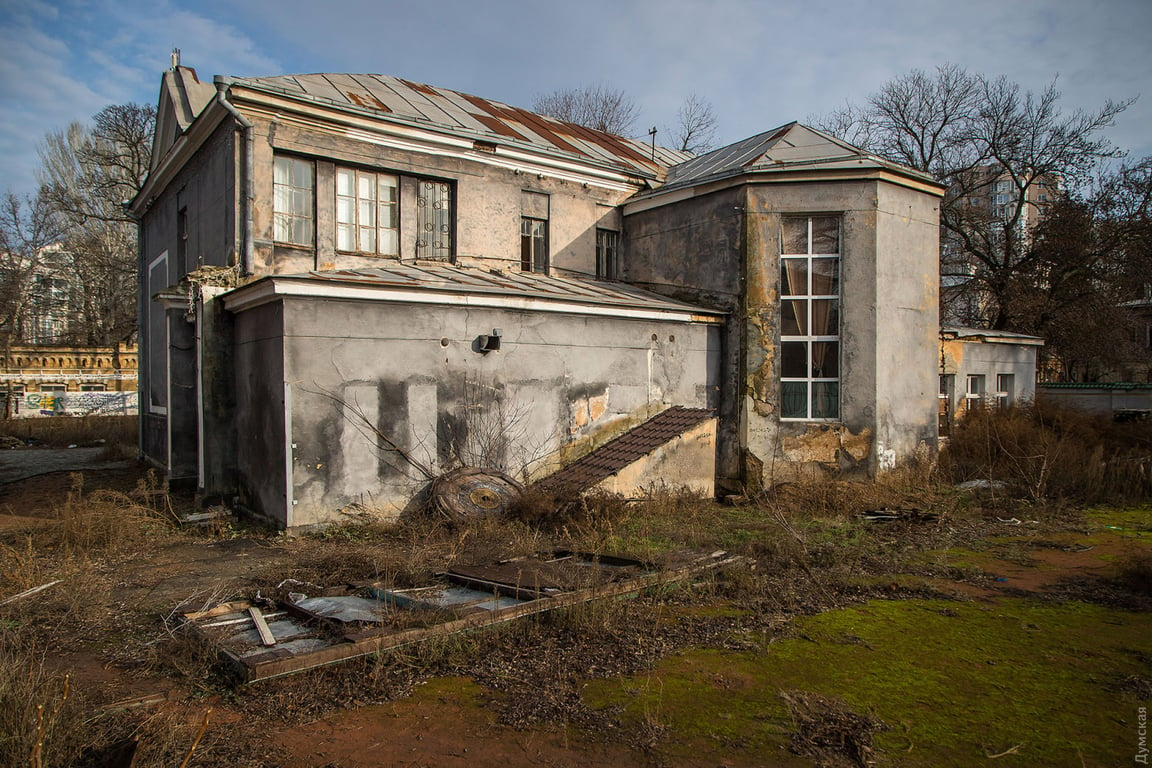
x=1049 y=452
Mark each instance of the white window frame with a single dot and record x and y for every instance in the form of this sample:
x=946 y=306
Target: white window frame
x=1005 y=389
x=811 y=380
x=974 y=388
x=534 y=245
x=293 y=201
x=367 y=225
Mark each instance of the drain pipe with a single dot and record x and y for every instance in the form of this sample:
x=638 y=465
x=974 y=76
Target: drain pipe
x=247 y=256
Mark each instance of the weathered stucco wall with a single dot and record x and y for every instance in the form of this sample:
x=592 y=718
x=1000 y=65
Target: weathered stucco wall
x=961 y=358
x=691 y=250
x=559 y=385
x=721 y=247
x=907 y=301
x=205 y=190
x=261 y=429
x=487 y=204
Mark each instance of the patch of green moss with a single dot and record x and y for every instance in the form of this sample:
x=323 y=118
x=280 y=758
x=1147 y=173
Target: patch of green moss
x=955 y=682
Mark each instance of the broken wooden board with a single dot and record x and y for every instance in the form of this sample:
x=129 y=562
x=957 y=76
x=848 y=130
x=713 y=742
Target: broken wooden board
x=467 y=598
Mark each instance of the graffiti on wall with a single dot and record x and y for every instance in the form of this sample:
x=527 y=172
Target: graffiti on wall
x=75 y=404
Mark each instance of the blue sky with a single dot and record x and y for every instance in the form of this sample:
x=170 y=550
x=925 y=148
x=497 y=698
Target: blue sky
x=760 y=63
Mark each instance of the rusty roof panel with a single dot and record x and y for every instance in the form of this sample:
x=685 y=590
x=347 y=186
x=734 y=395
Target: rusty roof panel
x=390 y=97
x=615 y=455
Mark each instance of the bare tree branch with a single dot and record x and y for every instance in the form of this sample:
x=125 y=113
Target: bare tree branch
x=593 y=106
x=696 y=126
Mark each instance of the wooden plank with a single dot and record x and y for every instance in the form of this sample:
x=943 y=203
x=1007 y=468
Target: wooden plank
x=238 y=606
x=375 y=641
x=266 y=636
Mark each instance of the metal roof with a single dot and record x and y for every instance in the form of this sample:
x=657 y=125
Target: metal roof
x=393 y=99
x=790 y=147
x=468 y=281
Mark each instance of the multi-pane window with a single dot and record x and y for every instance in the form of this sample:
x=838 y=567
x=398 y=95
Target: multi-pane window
x=533 y=245
x=1005 y=389
x=293 y=207
x=607 y=254
x=974 y=391
x=810 y=317
x=434 y=220
x=367 y=215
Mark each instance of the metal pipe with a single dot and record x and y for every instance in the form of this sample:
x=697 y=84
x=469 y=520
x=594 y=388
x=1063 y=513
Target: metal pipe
x=247 y=256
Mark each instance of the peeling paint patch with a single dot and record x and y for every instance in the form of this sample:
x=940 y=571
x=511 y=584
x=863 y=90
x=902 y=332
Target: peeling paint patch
x=586 y=410
x=828 y=444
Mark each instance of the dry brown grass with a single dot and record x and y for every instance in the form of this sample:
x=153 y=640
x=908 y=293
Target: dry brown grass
x=62 y=431
x=1045 y=452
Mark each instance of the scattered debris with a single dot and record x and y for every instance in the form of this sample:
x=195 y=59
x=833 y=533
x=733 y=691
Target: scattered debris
x=984 y=484
x=828 y=731
x=358 y=620
x=29 y=592
x=887 y=515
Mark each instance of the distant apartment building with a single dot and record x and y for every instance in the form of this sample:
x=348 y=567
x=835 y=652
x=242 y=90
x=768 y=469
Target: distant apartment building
x=994 y=209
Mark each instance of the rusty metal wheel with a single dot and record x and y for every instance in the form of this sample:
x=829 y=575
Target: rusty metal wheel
x=470 y=492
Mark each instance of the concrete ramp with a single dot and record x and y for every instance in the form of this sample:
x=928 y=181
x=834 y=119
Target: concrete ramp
x=675 y=448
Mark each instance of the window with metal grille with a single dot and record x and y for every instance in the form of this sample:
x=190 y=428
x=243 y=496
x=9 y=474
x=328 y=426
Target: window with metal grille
x=367 y=212
x=810 y=318
x=434 y=220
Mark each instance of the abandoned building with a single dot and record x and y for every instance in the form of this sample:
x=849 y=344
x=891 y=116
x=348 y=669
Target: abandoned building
x=351 y=284
x=980 y=368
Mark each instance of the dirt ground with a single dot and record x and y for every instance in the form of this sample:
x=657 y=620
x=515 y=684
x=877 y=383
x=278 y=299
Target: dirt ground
x=415 y=710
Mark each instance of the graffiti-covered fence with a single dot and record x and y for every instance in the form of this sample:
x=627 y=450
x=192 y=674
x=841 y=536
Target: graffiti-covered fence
x=73 y=404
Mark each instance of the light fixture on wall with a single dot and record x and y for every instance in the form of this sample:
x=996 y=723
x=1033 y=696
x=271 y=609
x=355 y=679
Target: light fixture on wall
x=486 y=343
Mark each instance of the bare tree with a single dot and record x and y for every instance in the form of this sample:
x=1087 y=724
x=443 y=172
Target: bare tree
x=27 y=229
x=994 y=147
x=695 y=127
x=593 y=106
x=87 y=173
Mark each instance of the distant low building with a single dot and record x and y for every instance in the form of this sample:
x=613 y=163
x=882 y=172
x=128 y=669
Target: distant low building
x=981 y=368
x=1124 y=401
x=49 y=380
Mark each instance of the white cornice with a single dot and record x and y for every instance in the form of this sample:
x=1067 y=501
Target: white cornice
x=657 y=198
x=272 y=289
